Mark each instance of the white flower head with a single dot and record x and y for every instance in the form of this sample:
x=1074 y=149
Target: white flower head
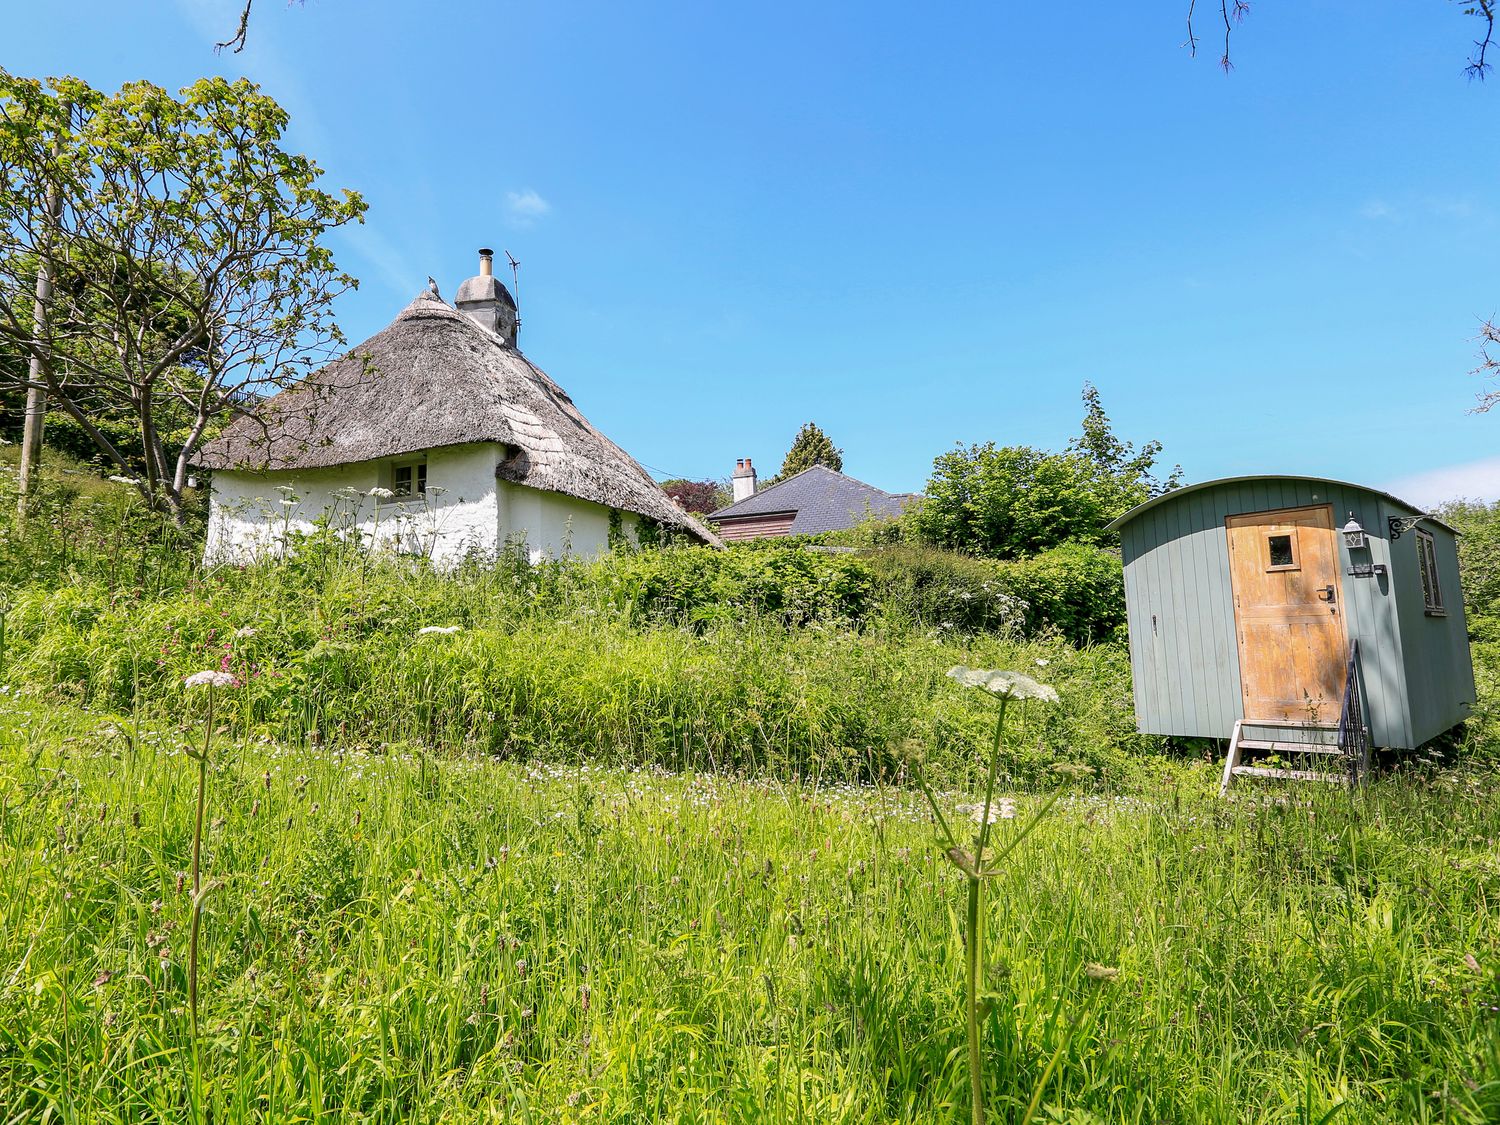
x=288 y=502
x=210 y=679
x=437 y=630
x=286 y=488
x=125 y=480
x=381 y=493
x=1010 y=685
x=1042 y=662
x=1002 y=809
x=245 y=631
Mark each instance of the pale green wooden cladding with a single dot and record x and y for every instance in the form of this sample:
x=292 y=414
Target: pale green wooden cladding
x=1417 y=677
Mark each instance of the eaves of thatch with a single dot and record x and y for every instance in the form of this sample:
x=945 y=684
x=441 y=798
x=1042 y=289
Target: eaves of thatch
x=435 y=378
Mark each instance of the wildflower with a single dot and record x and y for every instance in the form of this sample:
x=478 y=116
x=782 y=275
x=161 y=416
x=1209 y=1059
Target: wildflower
x=209 y=679
x=438 y=630
x=286 y=488
x=245 y=631
x=1042 y=663
x=1011 y=685
x=125 y=480
x=1101 y=973
x=381 y=493
x=288 y=501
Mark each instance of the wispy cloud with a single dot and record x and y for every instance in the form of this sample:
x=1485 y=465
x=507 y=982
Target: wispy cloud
x=1472 y=480
x=1377 y=209
x=525 y=207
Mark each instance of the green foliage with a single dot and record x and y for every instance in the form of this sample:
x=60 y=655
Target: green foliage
x=810 y=447
x=698 y=585
x=179 y=224
x=945 y=590
x=1076 y=589
x=1013 y=501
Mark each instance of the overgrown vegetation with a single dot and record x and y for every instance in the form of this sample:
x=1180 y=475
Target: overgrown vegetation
x=398 y=937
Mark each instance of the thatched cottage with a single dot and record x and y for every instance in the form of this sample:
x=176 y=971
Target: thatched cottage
x=435 y=436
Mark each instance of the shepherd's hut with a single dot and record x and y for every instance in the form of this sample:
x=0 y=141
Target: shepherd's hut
x=436 y=436
x=1294 y=615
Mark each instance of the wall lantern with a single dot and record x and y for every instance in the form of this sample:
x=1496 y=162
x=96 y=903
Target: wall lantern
x=1354 y=534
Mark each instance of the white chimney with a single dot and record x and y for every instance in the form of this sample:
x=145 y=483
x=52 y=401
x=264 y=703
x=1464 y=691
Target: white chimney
x=486 y=301
x=744 y=479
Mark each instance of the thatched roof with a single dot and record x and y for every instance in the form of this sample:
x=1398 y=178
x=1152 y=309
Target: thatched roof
x=432 y=378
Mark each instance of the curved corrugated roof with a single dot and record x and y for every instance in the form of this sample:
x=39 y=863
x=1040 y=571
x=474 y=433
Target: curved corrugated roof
x=433 y=378
x=1175 y=493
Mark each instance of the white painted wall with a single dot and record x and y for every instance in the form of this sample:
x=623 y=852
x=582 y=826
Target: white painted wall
x=466 y=511
x=553 y=525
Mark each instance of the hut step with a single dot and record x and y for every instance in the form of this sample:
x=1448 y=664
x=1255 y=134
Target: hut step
x=1238 y=744
x=1288 y=775
x=1290 y=747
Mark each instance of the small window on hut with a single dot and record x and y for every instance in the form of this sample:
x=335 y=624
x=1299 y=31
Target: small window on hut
x=1432 y=592
x=407 y=480
x=1281 y=550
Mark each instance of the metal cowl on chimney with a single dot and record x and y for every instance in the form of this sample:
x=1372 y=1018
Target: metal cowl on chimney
x=485 y=300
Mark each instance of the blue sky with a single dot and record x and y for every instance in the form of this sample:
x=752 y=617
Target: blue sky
x=914 y=225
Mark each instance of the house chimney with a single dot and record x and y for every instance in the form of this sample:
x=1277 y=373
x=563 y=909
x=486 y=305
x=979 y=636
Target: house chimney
x=744 y=479
x=486 y=301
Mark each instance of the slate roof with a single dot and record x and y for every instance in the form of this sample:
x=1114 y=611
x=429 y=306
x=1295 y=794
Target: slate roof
x=434 y=378
x=823 y=499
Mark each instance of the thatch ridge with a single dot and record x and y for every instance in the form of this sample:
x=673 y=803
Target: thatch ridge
x=435 y=378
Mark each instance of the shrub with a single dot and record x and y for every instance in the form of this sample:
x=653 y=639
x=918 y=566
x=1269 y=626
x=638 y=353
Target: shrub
x=699 y=585
x=943 y=589
x=1076 y=589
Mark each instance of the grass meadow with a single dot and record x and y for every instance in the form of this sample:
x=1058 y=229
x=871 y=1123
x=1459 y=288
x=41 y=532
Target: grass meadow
x=397 y=936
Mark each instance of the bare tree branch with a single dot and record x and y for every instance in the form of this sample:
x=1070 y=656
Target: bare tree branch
x=1478 y=64
x=237 y=41
x=1489 y=364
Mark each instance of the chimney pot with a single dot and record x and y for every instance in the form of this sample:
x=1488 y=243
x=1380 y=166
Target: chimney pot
x=486 y=262
x=744 y=479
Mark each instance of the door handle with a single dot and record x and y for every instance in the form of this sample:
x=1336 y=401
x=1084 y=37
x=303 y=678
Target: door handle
x=1326 y=594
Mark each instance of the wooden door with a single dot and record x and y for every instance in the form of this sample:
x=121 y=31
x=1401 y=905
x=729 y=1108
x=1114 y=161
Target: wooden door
x=1289 y=616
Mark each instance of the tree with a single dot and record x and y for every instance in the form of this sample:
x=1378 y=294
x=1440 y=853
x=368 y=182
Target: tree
x=188 y=249
x=701 y=497
x=1016 y=501
x=810 y=447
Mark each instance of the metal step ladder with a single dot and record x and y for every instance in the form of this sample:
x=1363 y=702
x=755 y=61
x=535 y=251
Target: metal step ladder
x=1341 y=750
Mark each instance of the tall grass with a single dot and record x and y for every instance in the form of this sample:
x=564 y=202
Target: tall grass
x=597 y=661
x=399 y=937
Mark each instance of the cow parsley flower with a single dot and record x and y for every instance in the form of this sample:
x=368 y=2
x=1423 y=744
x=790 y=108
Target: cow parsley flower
x=381 y=493
x=438 y=630
x=125 y=480
x=1012 y=685
x=210 y=679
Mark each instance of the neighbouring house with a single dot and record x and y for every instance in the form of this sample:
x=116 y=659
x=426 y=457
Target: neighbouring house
x=1298 y=615
x=815 y=500
x=436 y=436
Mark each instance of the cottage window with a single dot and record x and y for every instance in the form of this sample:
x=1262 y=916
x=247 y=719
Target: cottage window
x=1281 y=550
x=408 y=479
x=1432 y=592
